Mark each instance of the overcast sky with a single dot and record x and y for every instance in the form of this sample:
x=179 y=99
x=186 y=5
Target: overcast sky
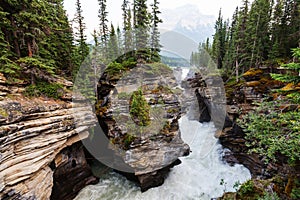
x=90 y=9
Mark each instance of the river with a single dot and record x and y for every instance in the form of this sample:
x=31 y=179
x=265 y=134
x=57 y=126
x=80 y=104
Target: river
x=198 y=177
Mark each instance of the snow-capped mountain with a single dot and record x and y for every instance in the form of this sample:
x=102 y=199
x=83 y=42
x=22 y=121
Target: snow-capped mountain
x=188 y=21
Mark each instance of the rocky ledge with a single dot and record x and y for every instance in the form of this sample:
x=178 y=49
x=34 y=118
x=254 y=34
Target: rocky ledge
x=41 y=156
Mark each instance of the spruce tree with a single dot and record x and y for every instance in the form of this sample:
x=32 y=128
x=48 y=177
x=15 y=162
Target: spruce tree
x=218 y=47
x=120 y=41
x=59 y=40
x=241 y=55
x=276 y=32
x=155 y=34
x=104 y=32
x=142 y=26
x=291 y=25
x=95 y=37
x=113 y=51
x=38 y=36
x=7 y=65
x=258 y=33
x=230 y=55
x=127 y=29
x=83 y=48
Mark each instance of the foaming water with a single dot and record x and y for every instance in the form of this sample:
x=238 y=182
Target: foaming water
x=197 y=177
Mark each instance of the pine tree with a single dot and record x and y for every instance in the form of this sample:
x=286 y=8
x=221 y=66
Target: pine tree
x=258 y=33
x=127 y=29
x=83 y=48
x=230 y=55
x=95 y=37
x=7 y=65
x=291 y=25
x=104 y=33
x=38 y=36
x=120 y=41
x=155 y=34
x=240 y=53
x=113 y=51
x=142 y=26
x=218 y=47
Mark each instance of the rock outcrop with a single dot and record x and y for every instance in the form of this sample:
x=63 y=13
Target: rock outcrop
x=210 y=95
x=34 y=137
x=240 y=98
x=149 y=151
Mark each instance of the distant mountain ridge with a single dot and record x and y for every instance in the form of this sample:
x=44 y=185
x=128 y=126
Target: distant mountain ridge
x=189 y=21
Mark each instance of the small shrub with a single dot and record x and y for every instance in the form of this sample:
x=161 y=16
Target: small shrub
x=41 y=88
x=140 y=109
x=246 y=188
x=129 y=64
x=38 y=63
x=128 y=139
x=296 y=190
x=269 y=196
x=271 y=132
x=114 y=68
x=295 y=193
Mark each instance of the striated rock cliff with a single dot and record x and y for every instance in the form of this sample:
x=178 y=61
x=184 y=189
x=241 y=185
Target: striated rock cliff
x=149 y=151
x=239 y=98
x=37 y=138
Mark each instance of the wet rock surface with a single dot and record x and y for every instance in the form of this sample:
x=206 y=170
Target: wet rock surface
x=72 y=174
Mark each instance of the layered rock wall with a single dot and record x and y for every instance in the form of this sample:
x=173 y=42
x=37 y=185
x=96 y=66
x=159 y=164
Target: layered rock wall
x=33 y=133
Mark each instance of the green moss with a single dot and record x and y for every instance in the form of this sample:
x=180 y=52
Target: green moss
x=127 y=140
x=296 y=190
x=253 y=72
x=100 y=110
x=115 y=69
x=124 y=95
x=41 y=88
x=3 y=112
x=159 y=68
x=172 y=110
x=166 y=129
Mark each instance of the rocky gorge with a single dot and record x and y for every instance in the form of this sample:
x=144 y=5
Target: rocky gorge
x=43 y=155
x=46 y=145
x=241 y=98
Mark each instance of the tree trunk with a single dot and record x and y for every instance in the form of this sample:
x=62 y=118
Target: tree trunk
x=237 y=70
x=237 y=65
x=29 y=49
x=15 y=37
